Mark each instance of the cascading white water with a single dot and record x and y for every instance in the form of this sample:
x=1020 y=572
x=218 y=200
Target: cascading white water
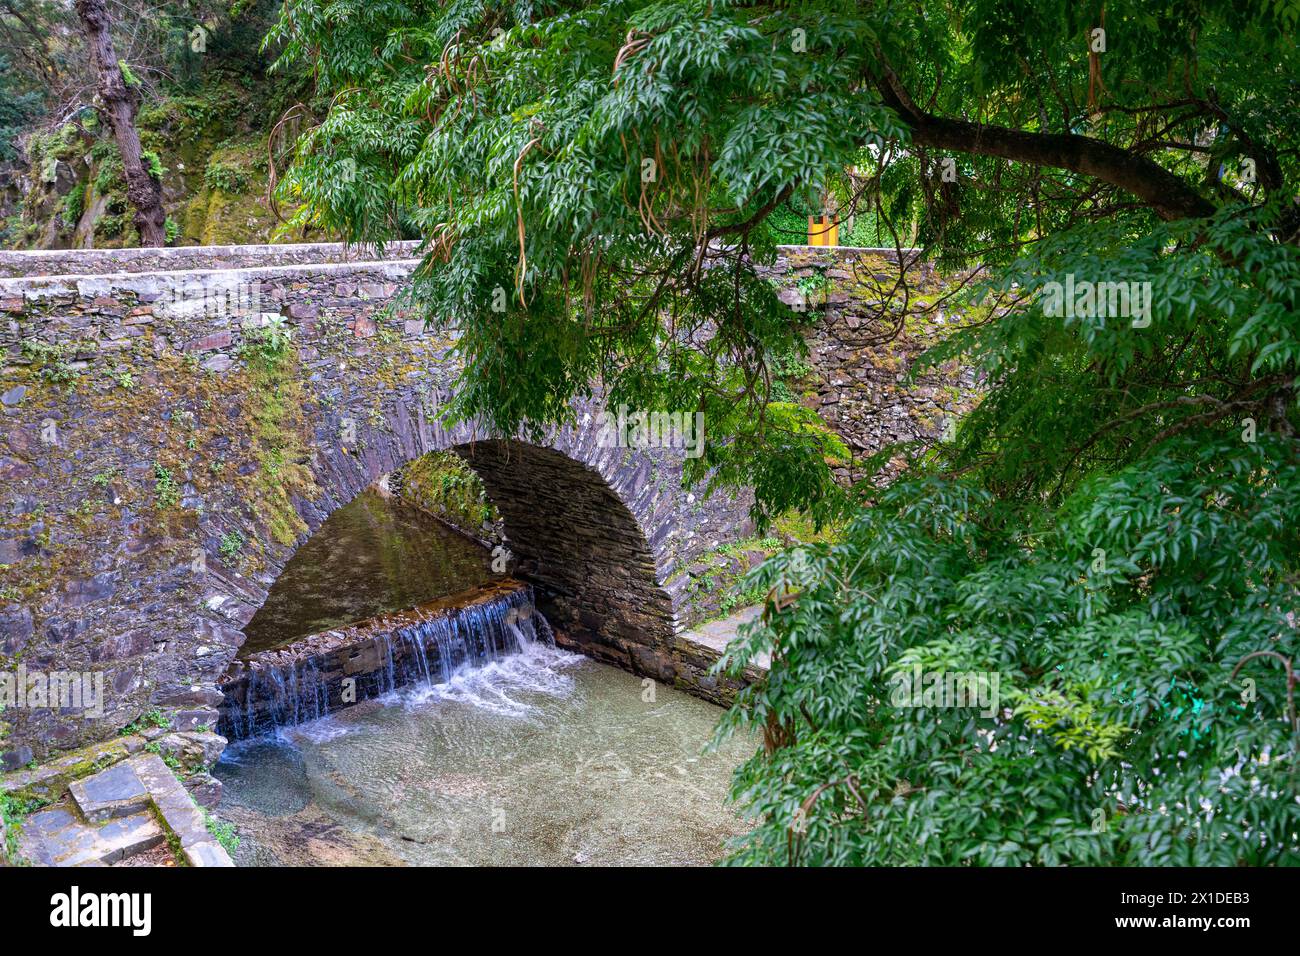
x=432 y=650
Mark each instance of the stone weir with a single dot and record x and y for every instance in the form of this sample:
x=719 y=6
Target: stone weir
x=334 y=669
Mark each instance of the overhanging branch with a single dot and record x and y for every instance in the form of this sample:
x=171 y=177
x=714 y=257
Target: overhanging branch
x=1168 y=195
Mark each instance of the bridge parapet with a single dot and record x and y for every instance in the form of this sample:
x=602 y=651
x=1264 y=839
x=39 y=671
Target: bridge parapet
x=53 y=262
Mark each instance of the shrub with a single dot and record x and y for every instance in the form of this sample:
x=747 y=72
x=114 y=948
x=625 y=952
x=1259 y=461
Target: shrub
x=225 y=177
x=74 y=204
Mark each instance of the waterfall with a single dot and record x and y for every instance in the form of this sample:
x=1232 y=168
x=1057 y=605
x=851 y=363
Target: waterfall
x=327 y=672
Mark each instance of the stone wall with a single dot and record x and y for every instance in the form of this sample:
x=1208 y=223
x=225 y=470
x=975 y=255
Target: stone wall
x=161 y=462
x=54 y=262
x=862 y=390
x=866 y=393
x=160 y=466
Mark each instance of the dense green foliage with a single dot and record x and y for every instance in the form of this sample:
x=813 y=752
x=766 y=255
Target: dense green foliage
x=18 y=108
x=199 y=71
x=1112 y=535
x=442 y=484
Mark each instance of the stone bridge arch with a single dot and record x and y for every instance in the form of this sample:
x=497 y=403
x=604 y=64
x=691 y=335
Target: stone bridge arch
x=162 y=461
x=604 y=534
x=155 y=477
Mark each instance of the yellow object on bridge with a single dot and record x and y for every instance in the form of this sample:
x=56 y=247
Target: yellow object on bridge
x=823 y=231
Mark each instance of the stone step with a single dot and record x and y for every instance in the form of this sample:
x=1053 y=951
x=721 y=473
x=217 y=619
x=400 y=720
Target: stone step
x=111 y=793
x=127 y=836
x=128 y=809
x=177 y=808
x=54 y=834
x=58 y=837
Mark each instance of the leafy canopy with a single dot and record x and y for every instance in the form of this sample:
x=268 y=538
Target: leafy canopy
x=1112 y=534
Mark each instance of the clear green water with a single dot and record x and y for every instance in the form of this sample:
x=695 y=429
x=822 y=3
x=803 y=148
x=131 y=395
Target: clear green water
x=374 y=555
x=545 y=758
x=542 y=758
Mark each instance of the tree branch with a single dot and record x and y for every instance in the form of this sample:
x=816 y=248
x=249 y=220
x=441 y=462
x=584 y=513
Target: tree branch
x=1167 y=194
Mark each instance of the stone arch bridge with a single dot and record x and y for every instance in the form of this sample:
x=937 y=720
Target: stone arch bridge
x=157 y=473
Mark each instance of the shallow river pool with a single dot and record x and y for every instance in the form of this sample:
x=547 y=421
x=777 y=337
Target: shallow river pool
x=543 y=758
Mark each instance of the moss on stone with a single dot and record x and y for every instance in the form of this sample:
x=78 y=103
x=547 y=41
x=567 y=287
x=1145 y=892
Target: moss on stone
x=274 y=402
x=46 y=784
x=217 y=218
x=442 y=484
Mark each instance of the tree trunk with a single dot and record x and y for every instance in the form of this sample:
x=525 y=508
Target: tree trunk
x=119 y=103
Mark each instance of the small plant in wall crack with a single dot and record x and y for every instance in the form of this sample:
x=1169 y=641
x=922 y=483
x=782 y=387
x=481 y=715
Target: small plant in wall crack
x=51 y=360
x=165 y=486
x=171 y=760
x=266 y=342
x=223 y=832
x=155 y=718
x=103 y=478
x=231 y=544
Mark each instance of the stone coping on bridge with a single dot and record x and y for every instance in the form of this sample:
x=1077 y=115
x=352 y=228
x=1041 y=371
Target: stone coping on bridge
x=49 y=262
x=221 y=268
x=92 y=285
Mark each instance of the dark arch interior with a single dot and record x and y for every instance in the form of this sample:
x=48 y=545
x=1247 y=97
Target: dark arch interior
x=575 y=540
x=375 y=555
x=568 y=534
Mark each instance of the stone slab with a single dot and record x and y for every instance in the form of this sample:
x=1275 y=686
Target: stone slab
x=716 y=635
x=49 y=782
x=115 y=792
x=177 y=809
x=127 y=836
x=208 y=853
x=55 y=837
x=59 y=837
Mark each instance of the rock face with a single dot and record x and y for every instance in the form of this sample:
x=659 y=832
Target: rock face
x=169 y=438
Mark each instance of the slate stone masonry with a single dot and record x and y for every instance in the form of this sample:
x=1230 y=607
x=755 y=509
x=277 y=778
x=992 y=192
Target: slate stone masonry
x=54 y=262
x=157 y=474
x=155 y=484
